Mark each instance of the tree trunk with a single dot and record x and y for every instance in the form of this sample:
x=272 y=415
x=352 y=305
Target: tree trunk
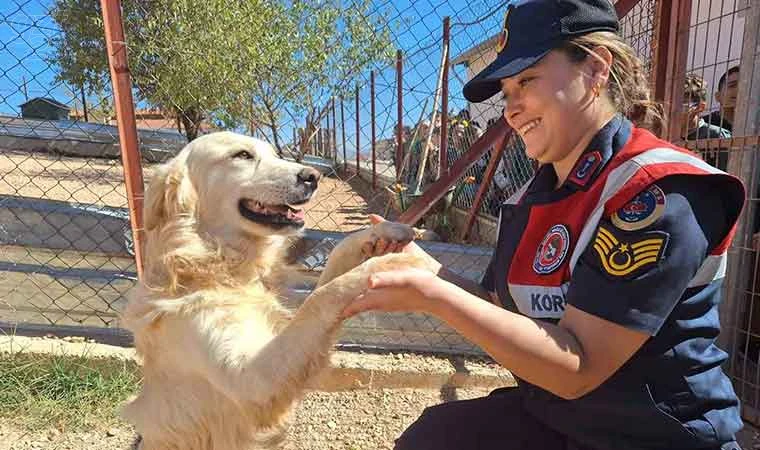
x=274 y=128
x=191 y=119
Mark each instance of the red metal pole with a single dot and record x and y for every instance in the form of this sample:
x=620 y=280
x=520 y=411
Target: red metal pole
x=358 y=169
x=400 y=104
x=326 y=140
x=372 y=108
x=496 y=136
x=343 y=132
x=125 y=117
x=334 y=146
x=444 y=153
x=623 y=7
x=670 y=46
x=680 y=29
x=496 y=154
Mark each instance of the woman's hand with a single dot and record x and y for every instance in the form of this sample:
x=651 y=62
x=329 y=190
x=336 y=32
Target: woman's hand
x=405 y=290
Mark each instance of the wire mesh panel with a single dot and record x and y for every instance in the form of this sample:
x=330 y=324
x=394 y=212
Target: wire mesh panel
x=335 y=86
x=65 y=241
x=718 y=120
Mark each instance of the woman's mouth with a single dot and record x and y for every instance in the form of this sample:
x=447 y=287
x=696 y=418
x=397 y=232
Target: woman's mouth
x=525 y=129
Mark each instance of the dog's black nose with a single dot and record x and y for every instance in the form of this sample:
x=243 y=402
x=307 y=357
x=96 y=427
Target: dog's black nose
x=309 y=176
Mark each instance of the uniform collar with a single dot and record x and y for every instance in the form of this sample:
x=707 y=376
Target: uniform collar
x=607 y=142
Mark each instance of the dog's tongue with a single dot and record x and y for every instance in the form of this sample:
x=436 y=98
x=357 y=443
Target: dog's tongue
x=295 y=214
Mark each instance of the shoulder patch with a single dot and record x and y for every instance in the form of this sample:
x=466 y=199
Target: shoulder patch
x=642 y=211
x=584 y=169
x=628 y=256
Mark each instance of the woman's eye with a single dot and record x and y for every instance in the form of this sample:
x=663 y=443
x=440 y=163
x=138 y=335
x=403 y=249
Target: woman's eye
x=242 y=154
x=525 y=81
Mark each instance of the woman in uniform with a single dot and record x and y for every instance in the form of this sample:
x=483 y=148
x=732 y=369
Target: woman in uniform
x=602 y=293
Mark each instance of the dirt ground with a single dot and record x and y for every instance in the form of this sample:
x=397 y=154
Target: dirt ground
x=353 y=420
x=341 y=203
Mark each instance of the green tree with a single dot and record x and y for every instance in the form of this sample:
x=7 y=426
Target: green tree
x=226 y=61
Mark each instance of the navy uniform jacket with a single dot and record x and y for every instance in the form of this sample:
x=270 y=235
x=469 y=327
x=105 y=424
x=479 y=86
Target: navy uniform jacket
x=637 y=235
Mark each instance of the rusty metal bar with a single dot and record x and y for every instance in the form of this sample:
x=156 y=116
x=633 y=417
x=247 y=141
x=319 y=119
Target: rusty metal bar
x=662 y=55
x=374 y=139
x=496 y=154
x=735 y=143
x=623 y=7
x=325 y=150
x=681 y=31
x=495 y=136
x=125 y=117
x=343 y=133
x=334 y=146
x=670 y=56
x=443 y=162
x=400 y=108
x=358 y=169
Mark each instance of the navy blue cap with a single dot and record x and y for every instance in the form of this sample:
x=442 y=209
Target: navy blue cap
x=531 y=29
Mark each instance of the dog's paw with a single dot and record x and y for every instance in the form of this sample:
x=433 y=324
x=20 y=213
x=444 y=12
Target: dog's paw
x=385 y=234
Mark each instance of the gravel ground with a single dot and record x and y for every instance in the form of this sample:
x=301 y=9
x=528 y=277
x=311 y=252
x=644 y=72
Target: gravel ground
x=349 y=420
x=353 y=420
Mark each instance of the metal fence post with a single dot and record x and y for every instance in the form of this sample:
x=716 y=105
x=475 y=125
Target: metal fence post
x=372 y=113
x=400 y=111
x=444 y=152
x=125 y=116
x=334 y=140
x=343 y=133
x=358 y=169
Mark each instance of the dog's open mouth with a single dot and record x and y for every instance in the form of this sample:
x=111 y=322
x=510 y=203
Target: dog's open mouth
x=273 y=215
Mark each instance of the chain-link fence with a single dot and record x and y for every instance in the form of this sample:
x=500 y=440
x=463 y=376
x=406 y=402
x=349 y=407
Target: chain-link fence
x=64 y=240
x=333 y=95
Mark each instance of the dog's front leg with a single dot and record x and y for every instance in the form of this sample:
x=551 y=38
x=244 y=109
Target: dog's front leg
x=275 y=375
x=348 y=253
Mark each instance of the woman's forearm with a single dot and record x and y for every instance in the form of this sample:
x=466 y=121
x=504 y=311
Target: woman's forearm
x=468 y=285
x=543 y=354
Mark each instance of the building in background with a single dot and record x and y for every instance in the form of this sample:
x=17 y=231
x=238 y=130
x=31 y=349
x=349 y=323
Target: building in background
x=44 y=108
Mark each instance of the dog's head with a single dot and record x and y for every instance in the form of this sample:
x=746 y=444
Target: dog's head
x=231 y=184
x=219 y=194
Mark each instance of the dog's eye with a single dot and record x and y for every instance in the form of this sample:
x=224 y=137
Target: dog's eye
x=242 y=154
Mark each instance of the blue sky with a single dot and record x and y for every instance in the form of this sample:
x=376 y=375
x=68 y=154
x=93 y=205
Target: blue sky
x=25 y=26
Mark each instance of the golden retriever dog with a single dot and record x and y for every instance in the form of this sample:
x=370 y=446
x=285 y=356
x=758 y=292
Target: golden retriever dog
x=223 y=362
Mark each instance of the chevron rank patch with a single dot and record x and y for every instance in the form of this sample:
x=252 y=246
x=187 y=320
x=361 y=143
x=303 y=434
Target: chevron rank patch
x=627 y=255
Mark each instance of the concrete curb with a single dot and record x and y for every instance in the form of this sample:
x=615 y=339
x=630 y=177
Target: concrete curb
x=348 y=370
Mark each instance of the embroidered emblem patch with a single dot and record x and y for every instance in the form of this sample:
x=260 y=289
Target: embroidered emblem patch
x=552 y=250
x=642 y=211
x=620 y=257
x=504 y=35
x=585 y=167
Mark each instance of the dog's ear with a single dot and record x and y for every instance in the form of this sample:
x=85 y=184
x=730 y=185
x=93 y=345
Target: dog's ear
x=170 y=195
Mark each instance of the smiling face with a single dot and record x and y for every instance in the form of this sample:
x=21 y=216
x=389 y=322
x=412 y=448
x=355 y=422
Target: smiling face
x=243 y=187
x=552 y=105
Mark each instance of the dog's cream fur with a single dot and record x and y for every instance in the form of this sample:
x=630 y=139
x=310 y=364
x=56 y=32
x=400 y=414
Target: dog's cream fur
x=222 y=360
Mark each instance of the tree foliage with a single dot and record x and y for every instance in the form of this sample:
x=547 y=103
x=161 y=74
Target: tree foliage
x=235 y=62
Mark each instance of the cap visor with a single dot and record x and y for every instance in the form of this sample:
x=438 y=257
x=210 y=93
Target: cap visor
x=487 y=83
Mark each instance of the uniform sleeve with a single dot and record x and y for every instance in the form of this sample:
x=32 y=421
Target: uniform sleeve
x=634 y=272
x=488 y=278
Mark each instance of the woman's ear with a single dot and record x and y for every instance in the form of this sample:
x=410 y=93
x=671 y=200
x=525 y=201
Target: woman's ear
x=600 y=60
